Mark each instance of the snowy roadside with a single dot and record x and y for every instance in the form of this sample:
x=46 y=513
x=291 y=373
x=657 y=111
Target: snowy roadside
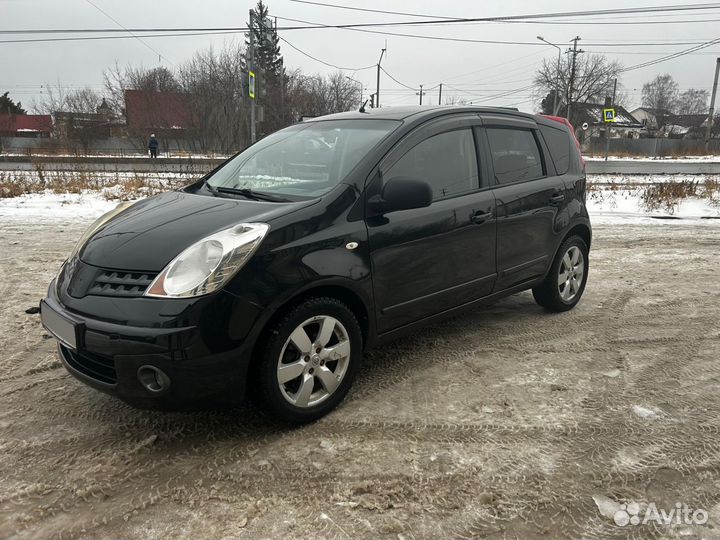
x=684 y=159
x=605 y=204
x=625 y=207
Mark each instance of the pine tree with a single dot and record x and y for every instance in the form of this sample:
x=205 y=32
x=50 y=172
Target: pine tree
x=272 y=82
x=267 y=42
x=8 y=106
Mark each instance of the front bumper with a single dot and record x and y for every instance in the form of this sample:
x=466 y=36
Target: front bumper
x=201 y=346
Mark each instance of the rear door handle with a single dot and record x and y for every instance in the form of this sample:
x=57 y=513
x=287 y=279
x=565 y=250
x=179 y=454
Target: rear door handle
x=557 y=198
x=480 y=217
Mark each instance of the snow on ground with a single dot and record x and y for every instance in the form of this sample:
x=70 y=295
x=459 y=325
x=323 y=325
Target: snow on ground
x=49 y=206
x=605 y=206
x=172 y=155
x=684 y=159
x=614 y=199
x=624 y=206
x=100 y=177
x=646 y=179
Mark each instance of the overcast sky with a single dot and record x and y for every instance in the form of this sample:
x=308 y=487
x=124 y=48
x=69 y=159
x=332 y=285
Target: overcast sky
x=473 y=71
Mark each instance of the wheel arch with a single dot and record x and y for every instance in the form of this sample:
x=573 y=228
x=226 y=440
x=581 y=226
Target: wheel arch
x=346 y=294
x=580 y=229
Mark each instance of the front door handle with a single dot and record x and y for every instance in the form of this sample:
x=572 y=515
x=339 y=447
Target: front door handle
x=480 y=217
x=557 y=198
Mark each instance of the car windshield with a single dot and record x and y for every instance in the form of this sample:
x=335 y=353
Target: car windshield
x=305 y=160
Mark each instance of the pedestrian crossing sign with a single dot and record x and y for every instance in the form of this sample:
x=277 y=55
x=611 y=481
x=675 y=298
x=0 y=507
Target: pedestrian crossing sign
x=609 y=115
x=251 y=84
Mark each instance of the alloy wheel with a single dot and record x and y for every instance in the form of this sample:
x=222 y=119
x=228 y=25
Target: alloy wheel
x=313 y=361
x=570 y=274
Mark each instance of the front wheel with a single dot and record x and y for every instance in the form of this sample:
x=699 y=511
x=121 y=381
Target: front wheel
x=309 y=361
x=565 y=282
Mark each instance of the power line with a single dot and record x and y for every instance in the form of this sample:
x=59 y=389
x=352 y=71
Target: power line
x=574 y=23
x=431 y=20
x=466 y=40
x=128 y=31
x=394 y=79
x=323 y=61
x=236 y=29
x=587 y=13
x=207 y=32
x=671 y=56
x=93 y=38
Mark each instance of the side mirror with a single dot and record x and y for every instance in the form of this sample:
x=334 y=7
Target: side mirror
x=402 y=193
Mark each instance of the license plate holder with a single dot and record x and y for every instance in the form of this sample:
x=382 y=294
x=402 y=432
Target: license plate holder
x=63 y=329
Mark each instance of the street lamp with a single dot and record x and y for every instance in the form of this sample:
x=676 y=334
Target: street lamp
x=557 y=74
x=361 y=87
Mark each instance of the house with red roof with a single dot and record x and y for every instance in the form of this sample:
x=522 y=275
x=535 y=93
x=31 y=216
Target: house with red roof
x=25 y=125
x=158 y=111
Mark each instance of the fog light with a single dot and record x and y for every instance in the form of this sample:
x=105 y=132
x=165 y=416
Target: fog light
x=154 y=379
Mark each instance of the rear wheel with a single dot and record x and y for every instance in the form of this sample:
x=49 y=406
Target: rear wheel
x=565 y=283
x=309 y=361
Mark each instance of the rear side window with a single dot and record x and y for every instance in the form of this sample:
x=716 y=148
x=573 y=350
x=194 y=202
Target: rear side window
x=515 y=155
x=447 y=162
x=559 y=143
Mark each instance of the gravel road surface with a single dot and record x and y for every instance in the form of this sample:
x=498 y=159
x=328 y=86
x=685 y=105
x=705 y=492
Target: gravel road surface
x=506 y=422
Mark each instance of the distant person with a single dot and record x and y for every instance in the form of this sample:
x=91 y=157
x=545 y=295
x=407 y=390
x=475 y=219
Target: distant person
x=153 y=146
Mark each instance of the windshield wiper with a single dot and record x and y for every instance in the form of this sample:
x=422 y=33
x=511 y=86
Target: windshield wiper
x=251 y=194
x=211 y=188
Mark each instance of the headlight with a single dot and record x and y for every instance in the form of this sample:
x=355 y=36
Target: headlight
x=207 y=265
x=99 y=222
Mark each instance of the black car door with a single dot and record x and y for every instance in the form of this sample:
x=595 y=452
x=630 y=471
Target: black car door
x=428 y=260
x=529 y=196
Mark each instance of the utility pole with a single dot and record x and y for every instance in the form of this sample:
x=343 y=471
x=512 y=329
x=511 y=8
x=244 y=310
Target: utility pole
x=420 y=94
x=607 y=126
x=557 y=75
x=711 y=116
x=282 y=79
x=575 y=51
x=440 y=95
x=377 y=89
x=251 y=67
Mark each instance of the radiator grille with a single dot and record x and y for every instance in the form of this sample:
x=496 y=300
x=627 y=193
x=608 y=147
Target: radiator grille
x=119 y=283
x=94 y=366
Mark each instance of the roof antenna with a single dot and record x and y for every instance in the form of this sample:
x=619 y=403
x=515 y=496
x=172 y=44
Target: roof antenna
x=362 y=107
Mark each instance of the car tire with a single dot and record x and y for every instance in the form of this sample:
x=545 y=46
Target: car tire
x=307 y=361
x=565 y=283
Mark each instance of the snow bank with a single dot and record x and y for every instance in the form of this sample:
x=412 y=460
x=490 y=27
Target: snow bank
x=615 y=199
x=49 y=206
x=624 y=206
x=684 y=159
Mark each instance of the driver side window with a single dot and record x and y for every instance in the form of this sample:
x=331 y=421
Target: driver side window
x=447 y=162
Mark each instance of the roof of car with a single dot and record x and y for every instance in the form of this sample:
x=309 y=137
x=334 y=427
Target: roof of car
x=401 y=113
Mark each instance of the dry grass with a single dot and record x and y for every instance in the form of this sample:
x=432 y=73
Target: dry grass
x=665 y=196
x=668 y=195
x=112 y=185
x=674 y=153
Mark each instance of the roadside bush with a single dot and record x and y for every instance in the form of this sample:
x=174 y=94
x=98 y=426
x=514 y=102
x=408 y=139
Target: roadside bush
x=667 y=195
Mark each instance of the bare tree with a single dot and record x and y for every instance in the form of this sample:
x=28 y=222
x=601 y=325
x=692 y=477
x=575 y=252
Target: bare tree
x=214 y=80
x=315 y=95
x=693 y=101
x=594 y=79
x=661 y=94
x=118 y=79
x=58 y=98
x=455 y=100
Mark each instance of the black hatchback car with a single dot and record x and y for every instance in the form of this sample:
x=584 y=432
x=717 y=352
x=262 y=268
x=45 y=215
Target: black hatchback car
x=273 y=273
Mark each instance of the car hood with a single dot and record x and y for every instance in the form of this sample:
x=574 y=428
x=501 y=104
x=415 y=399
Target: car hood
x=149 y=234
